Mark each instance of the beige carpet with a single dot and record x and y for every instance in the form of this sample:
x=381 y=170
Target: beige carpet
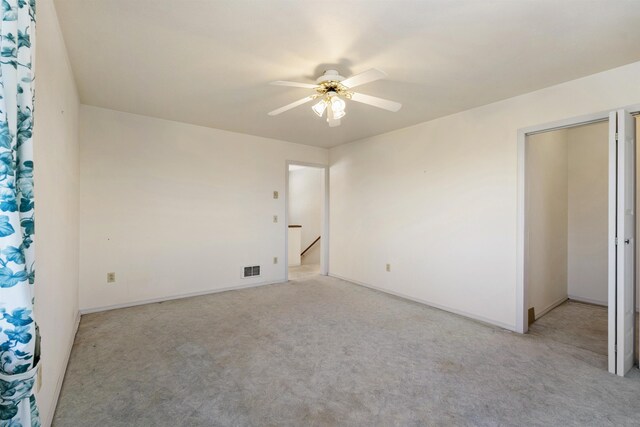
x=324 y=352
x=577 y=324
x=304 y=271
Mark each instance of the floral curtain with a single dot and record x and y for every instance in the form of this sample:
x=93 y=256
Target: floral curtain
x=19 y=339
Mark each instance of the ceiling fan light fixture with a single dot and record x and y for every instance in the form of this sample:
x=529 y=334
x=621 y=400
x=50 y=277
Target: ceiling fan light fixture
x=332 y=90
x=320 y=107
x=339 y=114
x=337 y=107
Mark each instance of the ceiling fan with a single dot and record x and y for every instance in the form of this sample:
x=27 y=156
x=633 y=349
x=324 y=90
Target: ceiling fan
x=332 y=89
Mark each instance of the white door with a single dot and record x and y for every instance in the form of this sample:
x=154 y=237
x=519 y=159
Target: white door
x=622 y=241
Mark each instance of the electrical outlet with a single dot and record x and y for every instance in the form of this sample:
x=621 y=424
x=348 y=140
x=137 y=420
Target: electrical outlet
x=275 y=259
x=275 y=218
x=388 y=267
x=275 y=195
x=111 y=277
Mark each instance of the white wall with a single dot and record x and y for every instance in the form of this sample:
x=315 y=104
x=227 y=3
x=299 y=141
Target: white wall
x=546 y=223
x=306 y=188
x=176 y=209
x=56 y=192
x=588 y=212
x=294 y=247
x=438 y=200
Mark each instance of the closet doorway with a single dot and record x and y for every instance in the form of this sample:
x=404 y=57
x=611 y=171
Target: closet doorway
x=577 y=233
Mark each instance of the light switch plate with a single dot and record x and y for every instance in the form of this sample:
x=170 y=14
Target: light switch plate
x=388 y=267
x=275 y=218
x=275 y=259
x=275 y=195
x=111 y=277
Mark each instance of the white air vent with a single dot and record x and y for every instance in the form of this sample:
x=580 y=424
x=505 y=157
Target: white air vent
x=251 y=271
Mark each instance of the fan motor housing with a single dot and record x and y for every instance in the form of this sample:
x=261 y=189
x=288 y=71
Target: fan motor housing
x=329 y=83
x=330 y=75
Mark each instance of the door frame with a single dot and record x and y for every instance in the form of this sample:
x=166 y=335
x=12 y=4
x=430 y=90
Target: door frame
x=324 y=233
x=521 y=241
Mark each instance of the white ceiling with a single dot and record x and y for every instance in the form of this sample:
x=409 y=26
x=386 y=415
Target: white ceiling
x=209 y=62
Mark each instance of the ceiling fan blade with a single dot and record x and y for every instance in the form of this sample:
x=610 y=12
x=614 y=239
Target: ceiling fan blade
x=292 y=105
x=294 y=84
x=385 y=104
x=364 y=77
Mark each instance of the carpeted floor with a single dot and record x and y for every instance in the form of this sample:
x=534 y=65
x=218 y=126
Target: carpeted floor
x=324 y=352
x=304 y=271
x=577 y=324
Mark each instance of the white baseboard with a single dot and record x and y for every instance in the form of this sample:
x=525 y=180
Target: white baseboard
x=588 y=300
x=47 y=422
x=172 y=297
x=594 y=301
x=551 y=307
x=430 y=304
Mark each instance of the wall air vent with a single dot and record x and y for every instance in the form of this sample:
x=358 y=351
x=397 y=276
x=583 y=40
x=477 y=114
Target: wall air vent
x=251 y=271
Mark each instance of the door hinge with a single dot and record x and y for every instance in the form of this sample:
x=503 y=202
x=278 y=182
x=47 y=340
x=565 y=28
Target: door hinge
x=616 y=241
x=616 y=136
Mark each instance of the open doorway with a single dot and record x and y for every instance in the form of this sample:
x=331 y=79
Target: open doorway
x=577 y=233
x=567 y=203
x=306 y=221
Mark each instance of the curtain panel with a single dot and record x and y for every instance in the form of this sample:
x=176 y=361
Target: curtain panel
x=19 y=340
